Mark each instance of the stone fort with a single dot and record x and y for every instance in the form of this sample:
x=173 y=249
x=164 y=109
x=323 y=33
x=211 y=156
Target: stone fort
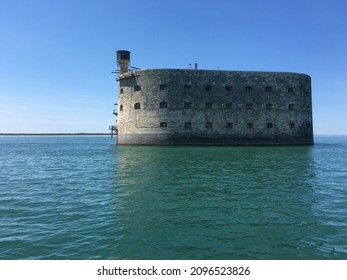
x=212 y=107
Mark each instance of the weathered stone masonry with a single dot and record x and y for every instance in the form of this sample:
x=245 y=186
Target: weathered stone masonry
x=204 y=107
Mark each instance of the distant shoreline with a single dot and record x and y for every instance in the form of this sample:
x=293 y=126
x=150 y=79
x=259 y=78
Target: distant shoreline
x=55 y=134
x=109 y=134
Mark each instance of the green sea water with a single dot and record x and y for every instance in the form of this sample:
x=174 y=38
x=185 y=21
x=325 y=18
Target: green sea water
x=87 y=198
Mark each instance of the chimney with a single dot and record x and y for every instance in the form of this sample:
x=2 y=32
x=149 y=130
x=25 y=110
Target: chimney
x=123 y=61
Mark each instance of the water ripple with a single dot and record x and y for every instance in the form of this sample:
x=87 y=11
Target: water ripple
x=86 y=198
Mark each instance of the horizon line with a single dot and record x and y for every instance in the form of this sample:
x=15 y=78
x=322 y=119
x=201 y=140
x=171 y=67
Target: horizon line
x=99 y=133
x=52 y=133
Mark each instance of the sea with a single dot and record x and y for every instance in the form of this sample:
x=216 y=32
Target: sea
x=86 y=198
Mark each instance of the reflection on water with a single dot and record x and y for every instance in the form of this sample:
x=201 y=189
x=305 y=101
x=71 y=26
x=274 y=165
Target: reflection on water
x=219 y=203
x=87 y=198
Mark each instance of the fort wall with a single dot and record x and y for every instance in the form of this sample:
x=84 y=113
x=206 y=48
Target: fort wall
x=207 y=107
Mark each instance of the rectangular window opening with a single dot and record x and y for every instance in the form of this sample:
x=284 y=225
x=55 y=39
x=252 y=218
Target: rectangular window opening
x=163 y=87
x=269 y=106
x=137 y=88
x=163 y=104
x=228 y=88
x=208 y=105
x=249 y=106
x=268 y=89
x=187 y=87
x=188 y=125
x=229 y=105
x=250 y=125
x=208 y=125
x=249 y=89
x=229 y=125
x=187 y=105
x=208 y=88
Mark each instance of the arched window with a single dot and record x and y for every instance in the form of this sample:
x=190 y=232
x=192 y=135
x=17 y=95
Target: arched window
x=137 y=106
x=269 y=125
x=163 y=104
x=291 y=107
x=229 y=125
x=121 y=108
x=291 y=125
x=163 y=124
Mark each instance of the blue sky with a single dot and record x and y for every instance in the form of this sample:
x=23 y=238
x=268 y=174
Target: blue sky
x=56 y=57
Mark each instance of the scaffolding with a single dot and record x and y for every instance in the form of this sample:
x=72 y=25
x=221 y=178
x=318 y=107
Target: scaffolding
x=113 y=129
